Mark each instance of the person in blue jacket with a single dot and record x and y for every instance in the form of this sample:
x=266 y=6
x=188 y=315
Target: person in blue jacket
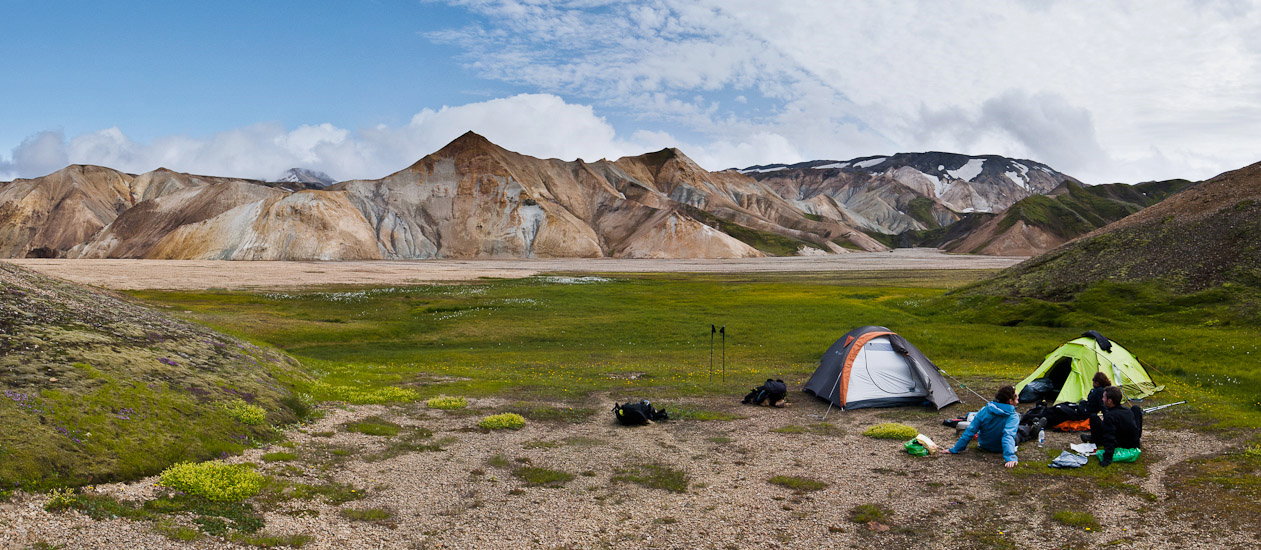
x=997 y=423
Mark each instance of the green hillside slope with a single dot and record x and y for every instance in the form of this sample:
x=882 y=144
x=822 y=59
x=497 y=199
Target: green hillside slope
x=97 y=388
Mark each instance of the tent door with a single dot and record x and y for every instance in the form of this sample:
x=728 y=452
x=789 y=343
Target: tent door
x=1059 y=372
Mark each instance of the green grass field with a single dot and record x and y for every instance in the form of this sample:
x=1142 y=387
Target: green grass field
x=562 y=337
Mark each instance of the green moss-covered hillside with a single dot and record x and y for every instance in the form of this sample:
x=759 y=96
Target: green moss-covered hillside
x=96 y=388
x=1204 y=237
x=1080 y=209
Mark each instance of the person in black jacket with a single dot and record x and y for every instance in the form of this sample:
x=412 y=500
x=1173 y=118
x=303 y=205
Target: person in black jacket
x=1094 y=400
x=1119 y=428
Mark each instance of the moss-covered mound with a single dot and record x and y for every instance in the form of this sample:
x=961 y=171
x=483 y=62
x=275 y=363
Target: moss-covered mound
x=96 y=388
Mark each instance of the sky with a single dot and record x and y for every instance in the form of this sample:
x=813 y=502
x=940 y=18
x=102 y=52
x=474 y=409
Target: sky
x=1122 y=91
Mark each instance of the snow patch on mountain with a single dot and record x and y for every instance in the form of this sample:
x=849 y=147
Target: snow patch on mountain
x=870 y=163
x=968 y=171
x=833 y=165
x=762 y=170
x=1017 y=178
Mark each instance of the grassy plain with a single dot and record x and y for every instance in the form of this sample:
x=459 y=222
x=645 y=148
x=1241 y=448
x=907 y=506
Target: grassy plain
x=561 y=338
x=551 y=347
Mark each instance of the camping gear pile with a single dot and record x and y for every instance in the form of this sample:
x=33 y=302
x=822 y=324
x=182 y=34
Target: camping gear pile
x=638 y=414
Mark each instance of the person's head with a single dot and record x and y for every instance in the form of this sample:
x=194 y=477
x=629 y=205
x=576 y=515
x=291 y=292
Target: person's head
x=1112 y=396
x=1101 y=380
x=1006 y=394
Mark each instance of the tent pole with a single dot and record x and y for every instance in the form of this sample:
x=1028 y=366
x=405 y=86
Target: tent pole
x=833 y=390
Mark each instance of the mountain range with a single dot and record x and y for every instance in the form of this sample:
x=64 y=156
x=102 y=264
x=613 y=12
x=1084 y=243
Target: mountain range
x=471 y=199
x=474 y=199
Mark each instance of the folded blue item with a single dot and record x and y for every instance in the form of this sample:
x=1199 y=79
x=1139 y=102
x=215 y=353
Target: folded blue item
x=1068 y=460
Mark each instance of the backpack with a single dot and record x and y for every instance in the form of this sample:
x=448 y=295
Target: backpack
x=775 y=390
x=638 y=414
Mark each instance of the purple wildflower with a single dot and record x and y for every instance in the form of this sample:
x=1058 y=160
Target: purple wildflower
x=168 y=361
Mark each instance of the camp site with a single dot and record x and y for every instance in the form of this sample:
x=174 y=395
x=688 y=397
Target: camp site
x=478 y=414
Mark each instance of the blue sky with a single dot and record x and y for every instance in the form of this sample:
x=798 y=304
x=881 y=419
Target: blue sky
x=1125 y=91
x=157 y=68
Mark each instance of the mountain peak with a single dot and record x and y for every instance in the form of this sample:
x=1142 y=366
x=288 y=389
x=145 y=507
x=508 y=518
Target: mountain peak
x=468 y=141
x=309 y=178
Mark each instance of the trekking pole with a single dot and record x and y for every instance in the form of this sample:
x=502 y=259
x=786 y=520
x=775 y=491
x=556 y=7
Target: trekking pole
x=712 y=330
x=723 y=331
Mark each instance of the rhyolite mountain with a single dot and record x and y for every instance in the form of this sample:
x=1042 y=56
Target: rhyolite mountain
x=1207 y=235
x=908 y=191
x=471 y=199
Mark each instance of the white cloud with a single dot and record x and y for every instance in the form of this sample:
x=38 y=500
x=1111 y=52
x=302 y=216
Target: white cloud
x=1107 y=92
x=1120 y=91
x=535 y=124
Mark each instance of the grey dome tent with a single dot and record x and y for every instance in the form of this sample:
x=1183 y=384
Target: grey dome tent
x=875 y=367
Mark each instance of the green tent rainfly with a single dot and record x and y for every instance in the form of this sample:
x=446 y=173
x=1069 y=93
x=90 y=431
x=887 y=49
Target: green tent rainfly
x=1071 y=367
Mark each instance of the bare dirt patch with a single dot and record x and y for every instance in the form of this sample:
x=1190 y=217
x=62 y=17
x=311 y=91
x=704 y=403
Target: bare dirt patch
x=203 y=274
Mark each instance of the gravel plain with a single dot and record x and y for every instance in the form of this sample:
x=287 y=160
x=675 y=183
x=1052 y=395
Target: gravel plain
x=466 y=496
x=203 y=274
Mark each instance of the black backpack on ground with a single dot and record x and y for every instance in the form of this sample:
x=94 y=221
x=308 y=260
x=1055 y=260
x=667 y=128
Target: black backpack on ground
x=638 y=414
x=772 y=390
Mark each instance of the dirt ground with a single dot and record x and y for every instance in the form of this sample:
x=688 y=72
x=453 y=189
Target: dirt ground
x=203 y=274
x=466 y=495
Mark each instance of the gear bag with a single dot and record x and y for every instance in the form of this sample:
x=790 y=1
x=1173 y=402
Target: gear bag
x=638 y=414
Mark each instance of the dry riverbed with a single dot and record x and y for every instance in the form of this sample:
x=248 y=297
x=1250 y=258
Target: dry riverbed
x=441 y=482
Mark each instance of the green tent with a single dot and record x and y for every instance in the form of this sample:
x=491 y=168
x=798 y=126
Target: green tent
x=1071 y=367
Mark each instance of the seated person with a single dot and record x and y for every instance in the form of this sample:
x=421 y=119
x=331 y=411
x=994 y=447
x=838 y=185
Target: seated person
x=996 y=423
x=1120 y=427
x=772 y=392
x=1094 y=400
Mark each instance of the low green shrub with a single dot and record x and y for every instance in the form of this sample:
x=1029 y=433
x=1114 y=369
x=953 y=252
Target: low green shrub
x=375 y=515
x=95 y=506
x=279 y=456
x=176 y=532
x=1253 y=452
x=446 y=403
x=542 y=477
x=505 y=421
x=1072 y=518
x=361 y=396
x=864 y=513
x=267 y=540
x=245 y=413
x=213 y=480
x=891 y=430
x=654 y=476
x=802 y=484
x=373 y=425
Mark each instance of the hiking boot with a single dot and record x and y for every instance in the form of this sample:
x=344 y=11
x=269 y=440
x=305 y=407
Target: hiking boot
x=1085 y=438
